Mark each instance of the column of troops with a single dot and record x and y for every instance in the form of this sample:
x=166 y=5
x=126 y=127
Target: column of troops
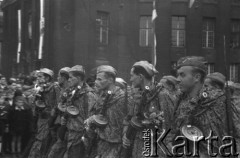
x=107 y=118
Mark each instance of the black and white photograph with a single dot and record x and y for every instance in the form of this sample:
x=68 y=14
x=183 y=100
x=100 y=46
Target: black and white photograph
x=119 y=78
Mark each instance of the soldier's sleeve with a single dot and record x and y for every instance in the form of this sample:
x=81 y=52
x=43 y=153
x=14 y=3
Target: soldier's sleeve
x=167 y=106
x=57 y=93
x=83 y=103
x=91 y=101
x=130 y=111
x=115 y=114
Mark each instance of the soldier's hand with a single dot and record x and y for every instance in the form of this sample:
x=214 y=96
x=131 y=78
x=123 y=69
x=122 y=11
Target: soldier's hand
x=89 y=120
x=63 y=121
x=126 y=141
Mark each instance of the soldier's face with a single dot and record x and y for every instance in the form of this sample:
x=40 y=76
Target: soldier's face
x=61 y=79
x=186 y=78
x=73 y=80
x=40 y=78
x=208 y=85
x=102 y=82
x=135 y=79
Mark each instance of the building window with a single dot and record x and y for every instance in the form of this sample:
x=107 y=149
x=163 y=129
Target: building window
x=234 y=72
x=178 y=31
x=102 y=23
x=235 y=34
x=210 y=68
x=208 y=33
x=146 y=31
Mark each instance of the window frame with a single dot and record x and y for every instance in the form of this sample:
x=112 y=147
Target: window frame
x=234 y=72
x=210 y=68
x=101 y=27
x=207 y=32
x=178 y=29
x=148 y=30
x=235 y=34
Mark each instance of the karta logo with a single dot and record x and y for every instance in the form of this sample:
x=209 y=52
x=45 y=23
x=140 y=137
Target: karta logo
x=182 y=146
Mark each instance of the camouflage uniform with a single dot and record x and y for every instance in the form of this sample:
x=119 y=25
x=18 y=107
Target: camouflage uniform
x=72 y=145
x=161 y=102
x=42 y=142
x=110 y=138
x=235 y=98
x=208 y=113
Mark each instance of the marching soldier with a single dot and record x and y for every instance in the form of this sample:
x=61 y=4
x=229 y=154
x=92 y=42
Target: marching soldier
x=45 y=100
x=55 y=121
x=199 y=108
x=107 y=114
x=77 y=103
x=63 y=77
x=152 y=105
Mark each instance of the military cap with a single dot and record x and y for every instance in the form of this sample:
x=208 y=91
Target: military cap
x=195 y=61
x=107 y=68
x=77 y=68
x=147 y=66
x=64 y=70
x=216 y=76
x=47 y=71
x=172 y=79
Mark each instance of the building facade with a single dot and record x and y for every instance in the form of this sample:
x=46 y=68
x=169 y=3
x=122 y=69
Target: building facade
x=119 y=33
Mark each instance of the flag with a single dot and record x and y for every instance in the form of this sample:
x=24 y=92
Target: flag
x=154 y=16
x=41 y=29
x=191 y=2
x=19 y=35
x=154 y=12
